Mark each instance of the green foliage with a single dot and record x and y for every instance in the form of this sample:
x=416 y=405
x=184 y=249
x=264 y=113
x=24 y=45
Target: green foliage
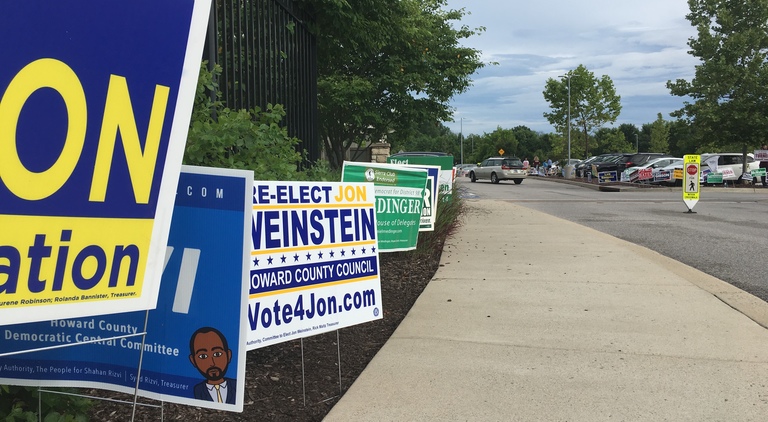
x=241 y=139
x=593 y=103
x=729 y=92
x=659 y=135
x=20 y=404
x=609 y=140
x=384 y=66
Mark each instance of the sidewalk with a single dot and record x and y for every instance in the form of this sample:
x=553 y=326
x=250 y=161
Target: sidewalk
x=513 y=328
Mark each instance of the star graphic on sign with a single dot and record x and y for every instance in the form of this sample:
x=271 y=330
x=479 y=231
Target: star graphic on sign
x=256 y=261
x=296 y=258
x=331 y=253
x=373 y=250
x=309 y=256
x=353 y=251
x=342 y=252
x=363 y=250
x=269 y=260
x=282 y=259
x=320 y=255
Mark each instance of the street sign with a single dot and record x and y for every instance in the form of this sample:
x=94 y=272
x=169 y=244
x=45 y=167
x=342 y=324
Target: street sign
x=692 y=166
x=501 y=151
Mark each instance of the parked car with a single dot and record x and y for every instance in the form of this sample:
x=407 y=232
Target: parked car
x=729 y=164
x=627 y=160
x=497 y=169
x=601 y=160
x=651 y=171
x=585 y=166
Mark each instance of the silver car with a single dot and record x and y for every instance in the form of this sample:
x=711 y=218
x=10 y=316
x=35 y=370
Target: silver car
x=497 y=169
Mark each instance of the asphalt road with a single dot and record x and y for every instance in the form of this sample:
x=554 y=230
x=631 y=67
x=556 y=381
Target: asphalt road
x=726 y=237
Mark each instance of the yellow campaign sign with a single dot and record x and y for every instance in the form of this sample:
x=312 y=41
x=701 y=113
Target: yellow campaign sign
x=691 y=170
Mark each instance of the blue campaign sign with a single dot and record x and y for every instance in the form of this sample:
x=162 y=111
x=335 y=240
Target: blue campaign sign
x=203 y=299
x=95 y=102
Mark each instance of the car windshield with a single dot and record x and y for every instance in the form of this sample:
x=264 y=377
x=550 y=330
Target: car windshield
x=513 y=163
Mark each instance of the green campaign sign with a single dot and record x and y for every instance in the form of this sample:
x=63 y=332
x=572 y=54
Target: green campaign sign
x=445 y=181
x=715 y=178
x=758 y=172
x=399 y=194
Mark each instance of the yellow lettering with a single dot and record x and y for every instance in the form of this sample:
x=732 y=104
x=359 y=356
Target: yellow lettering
x=42 y=73
x=118 y=115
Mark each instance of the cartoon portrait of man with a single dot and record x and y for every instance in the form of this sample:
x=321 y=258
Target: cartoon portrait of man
x=210 y=354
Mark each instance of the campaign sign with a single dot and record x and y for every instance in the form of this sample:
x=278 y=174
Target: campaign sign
x=429 y=211
x=445 y=180
x=195 y=338
x=399 y=201
x=95 y=102
x=607 y=176
x=662 y=176
x=315 y=262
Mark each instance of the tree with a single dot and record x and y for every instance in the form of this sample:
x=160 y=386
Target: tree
x=631 y=134
x=384 y=65
x=729 y=92
x=660 y=135
x=594 y=102
x=609 y=140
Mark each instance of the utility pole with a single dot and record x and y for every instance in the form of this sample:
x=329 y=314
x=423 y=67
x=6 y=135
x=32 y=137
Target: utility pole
x=461 y=136
x=568 y=75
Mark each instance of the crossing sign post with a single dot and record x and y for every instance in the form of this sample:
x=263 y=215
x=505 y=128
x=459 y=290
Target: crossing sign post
x=691 y=170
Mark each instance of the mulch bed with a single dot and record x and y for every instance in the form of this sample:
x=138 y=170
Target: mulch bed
x=276 y=390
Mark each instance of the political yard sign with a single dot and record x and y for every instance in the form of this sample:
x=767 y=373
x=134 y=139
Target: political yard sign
x=314 y=263
x=95 y=102
x=399 y=200
x=195 y=338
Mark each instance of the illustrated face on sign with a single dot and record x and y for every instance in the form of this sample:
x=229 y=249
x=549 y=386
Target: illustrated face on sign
x=210 y=354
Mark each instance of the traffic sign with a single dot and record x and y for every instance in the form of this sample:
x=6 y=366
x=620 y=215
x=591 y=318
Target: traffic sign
x=692 y=165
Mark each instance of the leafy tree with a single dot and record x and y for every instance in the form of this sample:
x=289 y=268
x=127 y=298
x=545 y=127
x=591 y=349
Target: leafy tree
x=530 y=143
x=631 y=134
x=611 y=140
x=660 y=135
x=383 y=65
x=682 y=140
x=594 y=102
x=729 y=92
x=242 y=139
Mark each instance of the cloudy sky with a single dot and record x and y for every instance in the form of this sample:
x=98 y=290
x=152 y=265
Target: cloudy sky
x=640 y=45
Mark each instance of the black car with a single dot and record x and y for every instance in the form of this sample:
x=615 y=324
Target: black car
x=584 y=168
x=627 y=160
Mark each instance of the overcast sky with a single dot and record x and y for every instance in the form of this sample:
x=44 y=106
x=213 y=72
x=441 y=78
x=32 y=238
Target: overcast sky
x=640 y=45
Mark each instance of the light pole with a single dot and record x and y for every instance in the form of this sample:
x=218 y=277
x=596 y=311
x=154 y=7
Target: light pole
x=461 y=136
x=568 y=75
x=637 y=145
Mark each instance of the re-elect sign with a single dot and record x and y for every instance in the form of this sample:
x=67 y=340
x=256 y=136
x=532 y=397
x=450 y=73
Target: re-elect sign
x=95 y=101
x=315 y=260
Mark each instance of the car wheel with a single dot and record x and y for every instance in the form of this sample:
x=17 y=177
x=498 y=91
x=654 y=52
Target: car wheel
x=472 y=177
x=518 y=181
x=494 y=178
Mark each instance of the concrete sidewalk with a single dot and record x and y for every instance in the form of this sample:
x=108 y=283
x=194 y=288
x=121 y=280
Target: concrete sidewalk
x=534 y=318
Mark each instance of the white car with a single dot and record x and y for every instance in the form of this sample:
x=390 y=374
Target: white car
x=651 y=171
x=729 y=164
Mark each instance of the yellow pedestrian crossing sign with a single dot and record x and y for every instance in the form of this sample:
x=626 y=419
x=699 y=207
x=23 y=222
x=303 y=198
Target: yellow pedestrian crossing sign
x=501 y=151
x=691 y=170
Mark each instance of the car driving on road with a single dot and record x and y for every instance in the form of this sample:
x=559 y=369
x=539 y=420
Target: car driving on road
x=497 y=169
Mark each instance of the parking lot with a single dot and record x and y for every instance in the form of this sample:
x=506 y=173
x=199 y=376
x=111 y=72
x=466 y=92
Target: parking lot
x=726 y=237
